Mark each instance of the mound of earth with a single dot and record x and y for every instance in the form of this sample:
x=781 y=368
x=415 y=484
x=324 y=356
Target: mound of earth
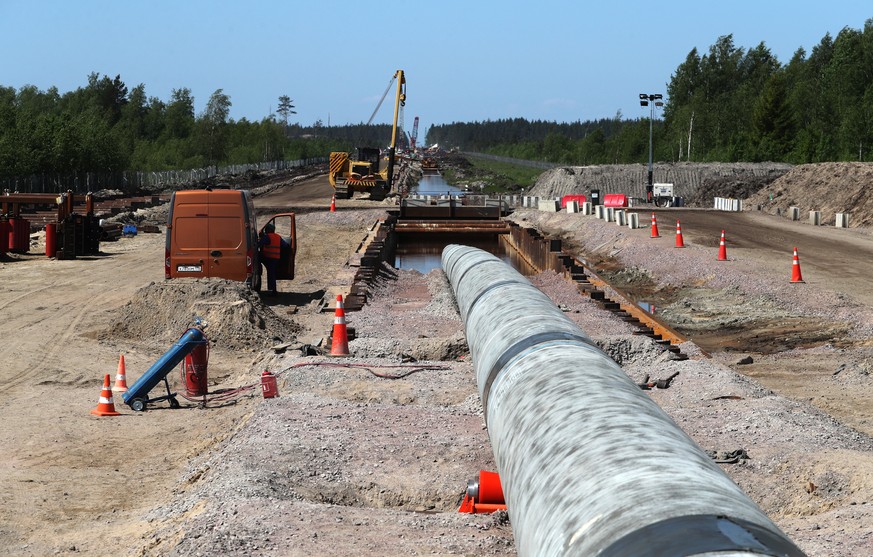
x=235 y=317
x=832 y=187
x=630 y=179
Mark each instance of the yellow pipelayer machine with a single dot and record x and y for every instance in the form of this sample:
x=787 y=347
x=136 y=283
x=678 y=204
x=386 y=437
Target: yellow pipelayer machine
x=369 y=172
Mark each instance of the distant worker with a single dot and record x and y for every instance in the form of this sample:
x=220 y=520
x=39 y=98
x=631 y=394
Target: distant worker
x=271 y=245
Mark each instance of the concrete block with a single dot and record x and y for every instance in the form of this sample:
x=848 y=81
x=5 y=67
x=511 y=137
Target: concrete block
x=815 y=218
x=609 y=214
x=842 y=220
x=586 y=208
x=548 y=205
x=598 y=211
x=619 y=218
x=633 y=221
x=794 y=213
x=572 y=206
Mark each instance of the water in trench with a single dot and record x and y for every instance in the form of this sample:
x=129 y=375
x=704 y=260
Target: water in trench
x=423 y=252
x=434 y=184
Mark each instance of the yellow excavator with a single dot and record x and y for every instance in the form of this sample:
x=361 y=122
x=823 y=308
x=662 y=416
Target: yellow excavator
x=369 y=172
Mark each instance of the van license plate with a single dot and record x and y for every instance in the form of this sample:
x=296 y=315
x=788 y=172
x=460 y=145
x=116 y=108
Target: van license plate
x=189 y=268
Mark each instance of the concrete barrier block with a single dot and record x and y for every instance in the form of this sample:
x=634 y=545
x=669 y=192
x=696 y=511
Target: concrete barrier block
x=794 y=213
x=609 y=214
x=548 y=205
x=572 y=207
x=633 y=221
x=815 y=218
x=598 y=211
x=619 y=218
x=842 y=220
x=586 y=208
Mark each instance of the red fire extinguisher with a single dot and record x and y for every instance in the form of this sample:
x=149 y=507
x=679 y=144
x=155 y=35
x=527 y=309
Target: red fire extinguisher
x=268 y=385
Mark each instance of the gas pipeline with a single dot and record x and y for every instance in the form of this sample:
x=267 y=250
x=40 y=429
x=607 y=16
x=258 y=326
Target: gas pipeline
x=589 y=464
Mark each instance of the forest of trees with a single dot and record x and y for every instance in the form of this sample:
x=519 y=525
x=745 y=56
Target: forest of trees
x=728 y=104
x=104 y=127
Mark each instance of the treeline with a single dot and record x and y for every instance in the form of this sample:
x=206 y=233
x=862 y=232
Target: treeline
x=728 y=104
x=605 y=141
x=106 y=127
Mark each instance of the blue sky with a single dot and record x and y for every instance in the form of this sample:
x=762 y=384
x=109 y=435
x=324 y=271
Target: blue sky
x=464 y=60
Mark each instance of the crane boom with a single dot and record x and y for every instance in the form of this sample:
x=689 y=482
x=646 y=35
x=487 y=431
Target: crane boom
x=414 y=137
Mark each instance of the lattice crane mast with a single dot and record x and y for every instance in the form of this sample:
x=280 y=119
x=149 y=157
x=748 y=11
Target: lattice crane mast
x=414 y=136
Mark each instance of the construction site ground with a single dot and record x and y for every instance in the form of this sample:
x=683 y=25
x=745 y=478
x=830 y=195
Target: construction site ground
x=370 y=454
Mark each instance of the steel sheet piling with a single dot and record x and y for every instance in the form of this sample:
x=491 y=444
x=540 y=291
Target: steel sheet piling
x=589 y=464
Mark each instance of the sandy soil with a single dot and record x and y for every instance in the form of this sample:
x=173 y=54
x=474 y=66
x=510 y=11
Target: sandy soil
x=370 y=454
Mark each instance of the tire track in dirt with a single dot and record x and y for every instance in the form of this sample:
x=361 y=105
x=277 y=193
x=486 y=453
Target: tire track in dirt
x=43 y=335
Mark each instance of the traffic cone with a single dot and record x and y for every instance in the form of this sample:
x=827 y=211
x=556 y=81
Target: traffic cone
x=679 y=242
x=333 y=203
x=339 y=345
x=722 y=250
x=120 y=377
x=795 y=269
x=655 y=227
x=105 y=406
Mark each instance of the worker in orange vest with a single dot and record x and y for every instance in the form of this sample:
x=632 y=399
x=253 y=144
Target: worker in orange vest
x=271 y=245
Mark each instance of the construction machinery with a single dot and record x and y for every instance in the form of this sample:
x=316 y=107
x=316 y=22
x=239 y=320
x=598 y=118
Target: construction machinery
x=662 y=194
x=414 y=136
x=369 y=172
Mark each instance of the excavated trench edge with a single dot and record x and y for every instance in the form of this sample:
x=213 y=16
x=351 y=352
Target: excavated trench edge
x=540 y=252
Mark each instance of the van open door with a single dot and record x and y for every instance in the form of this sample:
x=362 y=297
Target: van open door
x=286 y=227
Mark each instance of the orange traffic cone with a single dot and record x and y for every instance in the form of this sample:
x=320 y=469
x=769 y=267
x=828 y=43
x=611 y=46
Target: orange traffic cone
x=655 y=227
x=333 y=203
x=795 y=269
x=722 y=250
x=120 y=377
x=679 y=242
x=339 y=345
x=105 y=406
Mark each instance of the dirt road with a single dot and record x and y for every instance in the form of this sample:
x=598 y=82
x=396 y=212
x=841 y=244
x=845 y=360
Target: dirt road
x=63 y=468
x=70 y=481
x=835 y=258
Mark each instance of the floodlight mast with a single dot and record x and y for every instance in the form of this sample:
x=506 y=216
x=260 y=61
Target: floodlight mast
x=652 y=100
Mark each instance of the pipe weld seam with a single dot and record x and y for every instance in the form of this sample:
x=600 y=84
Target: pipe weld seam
x=685 y=536
x=526 y=345
x=457 y=282
x=485 y=291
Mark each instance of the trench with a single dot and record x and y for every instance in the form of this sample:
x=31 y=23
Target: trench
x=418 y=244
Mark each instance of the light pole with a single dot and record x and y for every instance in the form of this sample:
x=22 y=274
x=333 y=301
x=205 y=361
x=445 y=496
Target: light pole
x=655 y=100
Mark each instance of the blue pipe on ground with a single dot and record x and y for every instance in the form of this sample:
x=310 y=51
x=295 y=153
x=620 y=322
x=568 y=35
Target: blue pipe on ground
x=589 y=464
x=192 y=338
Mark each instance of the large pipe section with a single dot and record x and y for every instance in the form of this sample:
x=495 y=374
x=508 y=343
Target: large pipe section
x=589 y=464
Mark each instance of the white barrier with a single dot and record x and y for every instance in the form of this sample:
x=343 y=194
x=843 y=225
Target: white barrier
x=548 y=205
x=572 y=206
x=598 y=211
x=609 y=214
x=842 y=220
x=619 y=218
x=586 y=208
x=794 y=213
x=633 y=221
x=815 y=218
x=728 y=204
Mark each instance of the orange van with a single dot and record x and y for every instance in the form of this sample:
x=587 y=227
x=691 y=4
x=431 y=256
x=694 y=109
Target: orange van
x=211 y=233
